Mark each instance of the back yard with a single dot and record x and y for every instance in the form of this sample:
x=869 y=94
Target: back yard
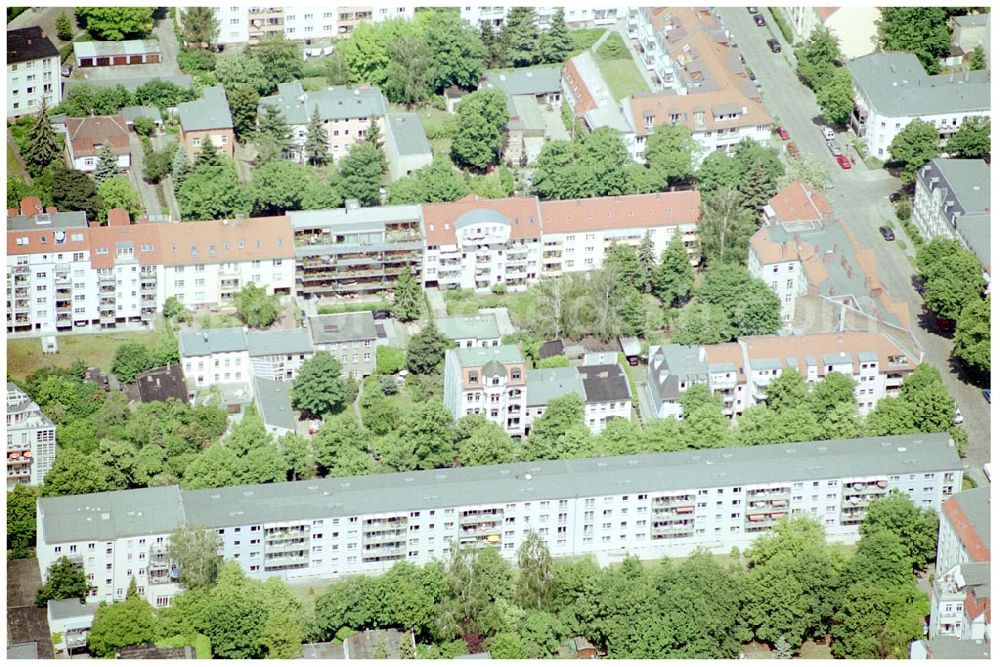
x=618 y=68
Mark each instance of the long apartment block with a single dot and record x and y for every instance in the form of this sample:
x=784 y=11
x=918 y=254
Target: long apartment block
x=65 y=274
x=649 y=505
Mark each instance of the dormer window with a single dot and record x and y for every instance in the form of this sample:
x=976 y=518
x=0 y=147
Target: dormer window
x=473 y=377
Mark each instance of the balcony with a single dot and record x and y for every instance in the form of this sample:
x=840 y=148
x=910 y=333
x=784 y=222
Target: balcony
x=158 y=555
x=672 y=502
x=285 y=562
x=21 y=269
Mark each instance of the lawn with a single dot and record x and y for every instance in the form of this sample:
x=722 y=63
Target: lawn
x=14 y=169
x=311 y=83
x=617 y=66
x=24 y=355
x=520 y=305
x=584 y=38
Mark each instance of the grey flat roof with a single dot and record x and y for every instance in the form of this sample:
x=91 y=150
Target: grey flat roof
x=60 y=220
x=407 y=134
x=209 y=113
x=296 y=105
x=468 y=326
x=131 y=83
x=546 y=384
x=975 y=504
x=342 y=327
x=943 y=648
x=897 y=85
x=480 y=356
x=106 y=49
x=266 y=343
x=274 y=402
x=131 y=113
x=163 y=509
x=345 y=218
x=526 y=80
x=26 y=651
x=969 y=182
x=71 y=608
x=684 y=361
x=212 y=341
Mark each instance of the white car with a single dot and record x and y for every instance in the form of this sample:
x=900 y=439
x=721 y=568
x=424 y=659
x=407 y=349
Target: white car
x=828 y=134
x=959 y=419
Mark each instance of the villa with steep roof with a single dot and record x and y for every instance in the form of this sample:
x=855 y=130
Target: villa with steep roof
x=488 y=381
x=345 y=111
x=207 y=119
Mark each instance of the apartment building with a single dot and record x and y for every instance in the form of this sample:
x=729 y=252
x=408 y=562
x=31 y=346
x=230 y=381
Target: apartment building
x=650 y=505
x=355 y=251
x=704 y=83
x=532 y=94
x=891 y=89
x=350 y=337
x=855 y=27
x=32 y=72
x=952 y=199
x=278 y=355
x=346 y=112
x=238 y=24
x=490 y=381
x=207 y=119
x=607 y=395
x=741 y=372
x=214 y=356
x=578 y=233
x=476 y=243
x=574 y=16
x=470 y=330
x=31 y=440
x=85 y=137
x=803 y=250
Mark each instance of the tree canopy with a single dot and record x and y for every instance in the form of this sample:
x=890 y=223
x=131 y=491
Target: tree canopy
x=320 y=388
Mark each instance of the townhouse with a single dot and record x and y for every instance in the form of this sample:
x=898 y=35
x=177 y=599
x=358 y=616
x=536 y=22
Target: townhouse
x=651 y=506
x=960 y=593
x=855 y=27
x=85 y=137
x=32 y=72
x=358 y=251
x=243 y=23
x=207 y=119
x=815 y=264
x=740 y=372
x=579 y=232
x=470 y=330
x=214 y=356
x=532 y=94
x=31 y=440
x=350 y=337
x=489 y=381
x=705 y=86
x=891 y=89
x=952 y=199
x=604 y=389
x=346 y=113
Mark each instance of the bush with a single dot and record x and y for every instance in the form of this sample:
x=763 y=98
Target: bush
x=499 y=288
x=783 y=26
x=195 y=60
x=904 y=209
x=613 y=48
x=389 y=360
x=144 y=126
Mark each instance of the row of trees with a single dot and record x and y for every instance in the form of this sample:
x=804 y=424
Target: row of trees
x=918 y=143
x=86 y=99
x=820 y=66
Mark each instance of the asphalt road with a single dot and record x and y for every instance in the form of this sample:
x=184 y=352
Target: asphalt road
x=860 y=197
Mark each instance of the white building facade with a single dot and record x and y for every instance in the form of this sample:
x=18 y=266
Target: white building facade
x=243 y=23
x=488 y=381
x=31 y=440
x=32 y=72
x=647 y=505
x=573 y=15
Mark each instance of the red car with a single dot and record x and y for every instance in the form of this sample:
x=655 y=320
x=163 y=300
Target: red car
x=844 y=161
x=783 y=133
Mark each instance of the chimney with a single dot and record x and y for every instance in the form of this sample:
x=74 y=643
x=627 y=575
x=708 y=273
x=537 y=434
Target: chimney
x=204 y=336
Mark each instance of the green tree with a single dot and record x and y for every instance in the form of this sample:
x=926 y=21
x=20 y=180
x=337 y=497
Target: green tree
x=834 y=390
x=300 y=462
x=201 y=25
x=42 y=145
x=63 y=581
x=336 y=69
x=243 y=99
x=482 y=116
x=116 y=23
x=389 y=360
x=916 y=529
x=914 y=146
x=646 y=252
x=215 y=467
x=626 y=263
x=271 y=126
x=408 y=77
x=559 y=431
x=130 y=360
x=130 y=622
x=843 y=422
x=320 y=388
x=972 y=335
x=181 y=166
x=782 y=649
x=21 y=528
x=378 y=413
x=212 y=193
x=340 y=447
x=279 y=186
x=117 y=192
x=407 y=297
x=236 y=616
x=520 y=37
x=536 y=578
x=787 y=391
x=836 y=96
x=725 y=227
x=702 y=324
x=977 y=59
x=507 y=646
x=194 y=550
x=950 y=288
x=428 y=435
x=316 y=148
x=243 y=70
x=425 y=352
x=922 y=31
x=437 y=182
x=64 y=27
x=255 y=307
x=74 y=473
x=281 y=59
x=718 y=170
x=556 y=44
x=359 y=173
x=818 y=57
x=972 y=141
x=750 y=306
x=381 y=650
x=483 y=443
x=493 y=42
x=107 y=164
x=673 y=278
x=671 y=153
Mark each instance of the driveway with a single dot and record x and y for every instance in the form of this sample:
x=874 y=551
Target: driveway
x=147 y=191
x=164 y=32
x=860 y=197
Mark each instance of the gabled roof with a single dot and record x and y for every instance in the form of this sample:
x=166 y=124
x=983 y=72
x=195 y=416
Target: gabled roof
x=143 y=240
x=268 y=343
x=342 y=327
x=240 y=240
x=661 y=209
x=94 y=49
x=798 y=202
x=159 y=384
x=968 y=512
x=212 y=341
x=521 y=214
x=335 y=102
x=87 y=135
x=406 y=133
x=605 y=382
x=537 y=80
x=211 y=112
x=274 y=403
x=31 y=43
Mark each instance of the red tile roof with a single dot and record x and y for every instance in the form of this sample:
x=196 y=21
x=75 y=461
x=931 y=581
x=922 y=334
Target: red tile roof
x=585 y=101
x=521 y=212
x=974 y=545
x=87 y=135
x=212 y=241
x=798 y=202
x=649 y=210
x=143 y=239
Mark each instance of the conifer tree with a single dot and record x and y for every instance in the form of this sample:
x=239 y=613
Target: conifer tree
x=43 y=145
x=317 y=147
x=556 y=43
x=181 y=167
x=209 y=155
x=107 y=164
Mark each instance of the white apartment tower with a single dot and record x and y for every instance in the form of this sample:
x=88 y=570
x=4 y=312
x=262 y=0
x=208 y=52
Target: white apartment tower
x=31 y=440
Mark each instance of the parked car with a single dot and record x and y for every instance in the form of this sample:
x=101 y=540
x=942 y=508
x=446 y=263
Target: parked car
x=895 y=197
x=986 y=395
x=314 y=427
x=959 y=419
x=844 y=162
x=67 y=70
x=834 y=148
x=986 y=469
x=783 y=133
x=828 y=134
x=752 y=10
x=381 y=314
x=774 y=46
x=792 y=149
x=886 y=233
x=759 y=20
x=828 y=182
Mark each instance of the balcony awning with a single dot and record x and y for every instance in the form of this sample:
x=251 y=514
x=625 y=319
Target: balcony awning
x=685 y=510
x=757 y=517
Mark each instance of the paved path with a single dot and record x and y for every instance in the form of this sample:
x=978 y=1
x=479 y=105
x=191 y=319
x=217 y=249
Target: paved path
x=147 y=191
x=438 y=306
x=860 y=197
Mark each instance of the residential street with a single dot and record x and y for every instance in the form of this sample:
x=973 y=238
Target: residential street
x=860 y=197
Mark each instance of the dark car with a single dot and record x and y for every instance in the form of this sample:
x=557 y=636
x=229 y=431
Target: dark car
x=759 y=20
x=381 y=314
x=895 y=197
x=986 y=395
x=774 y=46
x=886 y=233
